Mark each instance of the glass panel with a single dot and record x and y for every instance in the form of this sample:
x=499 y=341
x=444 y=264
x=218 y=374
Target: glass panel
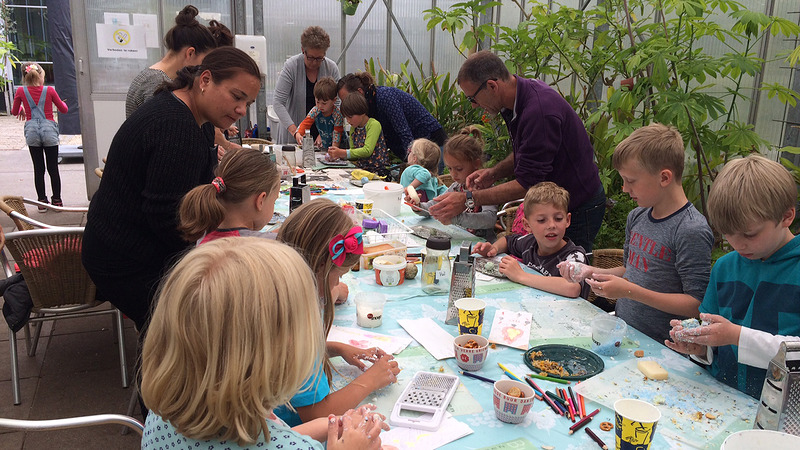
x=219 y=10
x=29 y=35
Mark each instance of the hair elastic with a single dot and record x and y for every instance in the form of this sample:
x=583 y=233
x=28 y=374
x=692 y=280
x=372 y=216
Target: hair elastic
x=340 y=246
x=31 y=67
x=219 y=185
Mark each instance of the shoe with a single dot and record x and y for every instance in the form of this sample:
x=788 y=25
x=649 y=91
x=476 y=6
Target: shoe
x=43 y=209
x=57 y=202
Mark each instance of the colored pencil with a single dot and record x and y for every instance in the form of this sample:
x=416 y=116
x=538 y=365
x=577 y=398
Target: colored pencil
x=583 y=421
x=595 y=438
x=556 y=398
x=477 y=377
x=574 y=401
x=542 y=377
x=571 y=410
x=510 y=373
x=544 y=397
x=583 y=405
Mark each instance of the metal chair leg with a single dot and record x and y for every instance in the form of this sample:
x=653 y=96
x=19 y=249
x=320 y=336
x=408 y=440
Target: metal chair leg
x=12 y=339
x=131 y=406
x=123 y=363
x=36 y=334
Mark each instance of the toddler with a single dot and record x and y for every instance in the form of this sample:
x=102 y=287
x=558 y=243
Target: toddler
x=367 y=145
x=546 y=215
x=423 y=160
x=325 y=115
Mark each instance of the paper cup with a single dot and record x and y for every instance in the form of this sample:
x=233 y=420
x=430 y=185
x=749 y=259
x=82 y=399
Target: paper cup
x=365 y=206
x=749 y=439
x=470 y=315
x=470 y=358
x=635 y=424
x=607 y=334
x=369 y=309
x=511 y=409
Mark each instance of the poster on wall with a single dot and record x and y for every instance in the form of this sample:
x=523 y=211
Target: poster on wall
x=121 y=41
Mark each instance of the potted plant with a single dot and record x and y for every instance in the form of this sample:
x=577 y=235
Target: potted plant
x=349 y=6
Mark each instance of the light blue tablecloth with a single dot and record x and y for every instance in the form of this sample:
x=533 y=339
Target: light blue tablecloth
x=473 y=406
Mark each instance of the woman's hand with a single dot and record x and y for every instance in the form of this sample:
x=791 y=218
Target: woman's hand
x=682 y=346
x=299 y=138
x=382 y=373
x=715 y=331
x=356 y=429
x=610 y=286
x=485 y=249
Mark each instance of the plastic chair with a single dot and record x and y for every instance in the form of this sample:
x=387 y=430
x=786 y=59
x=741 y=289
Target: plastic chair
x=606 y=258
x=73 y=422
x=50 y=262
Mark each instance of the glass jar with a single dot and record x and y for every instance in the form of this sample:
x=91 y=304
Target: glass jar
x=436 y=266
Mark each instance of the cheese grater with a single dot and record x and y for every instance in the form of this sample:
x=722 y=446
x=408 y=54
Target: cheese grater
x=779 y=409
x=428 y=393
x=462 y=282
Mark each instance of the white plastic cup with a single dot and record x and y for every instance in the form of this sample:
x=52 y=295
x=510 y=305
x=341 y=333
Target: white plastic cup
x=369 y=309
x=385 y=196
x=607 y=334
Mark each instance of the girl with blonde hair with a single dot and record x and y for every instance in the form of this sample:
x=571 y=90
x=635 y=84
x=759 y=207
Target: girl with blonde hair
x=36 y=101
x=224 y=347
x=423 y=160
x=239 y=201
x=331 y=245
x=463 y=155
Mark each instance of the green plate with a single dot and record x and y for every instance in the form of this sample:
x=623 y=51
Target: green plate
x=579 y=362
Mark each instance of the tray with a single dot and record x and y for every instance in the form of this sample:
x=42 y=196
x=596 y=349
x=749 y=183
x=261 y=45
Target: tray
x=397 y=230
x=579 y=362
x=480 y=266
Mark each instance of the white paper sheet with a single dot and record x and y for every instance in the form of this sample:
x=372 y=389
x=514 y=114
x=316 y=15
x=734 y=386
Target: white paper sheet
x=365 y=339
x=430 y=335
x=511 y=328
x=410 y=438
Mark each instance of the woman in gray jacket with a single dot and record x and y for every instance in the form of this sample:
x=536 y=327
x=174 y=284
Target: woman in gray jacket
x=294 y=91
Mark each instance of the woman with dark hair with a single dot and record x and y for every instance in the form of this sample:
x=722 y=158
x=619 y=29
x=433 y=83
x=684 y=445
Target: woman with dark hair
x=402 y=117
x=294 y=91
x=158 y=155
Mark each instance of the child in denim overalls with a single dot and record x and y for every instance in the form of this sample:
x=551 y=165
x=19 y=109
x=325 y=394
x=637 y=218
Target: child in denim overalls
x=41 y=131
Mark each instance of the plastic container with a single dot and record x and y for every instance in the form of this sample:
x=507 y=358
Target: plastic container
x=749 y=439
x=372 y=251
x=607 y=334
x=385 y=196
x=390 y=270
x=470 y=358
x=369 y=309
x=436 y=266
x=512 y=409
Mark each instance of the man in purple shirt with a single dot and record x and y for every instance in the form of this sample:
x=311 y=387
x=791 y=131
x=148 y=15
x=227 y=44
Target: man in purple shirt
x=549 y=140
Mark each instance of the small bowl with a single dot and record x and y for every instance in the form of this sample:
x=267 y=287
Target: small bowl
x=511 y=409
x=390 y=270
x=471 y=358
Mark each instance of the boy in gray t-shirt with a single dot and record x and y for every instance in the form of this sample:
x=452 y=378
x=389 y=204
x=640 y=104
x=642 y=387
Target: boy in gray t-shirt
x=668 y=242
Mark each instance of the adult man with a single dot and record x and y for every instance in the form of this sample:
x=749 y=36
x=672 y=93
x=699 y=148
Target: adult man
x=549 y=142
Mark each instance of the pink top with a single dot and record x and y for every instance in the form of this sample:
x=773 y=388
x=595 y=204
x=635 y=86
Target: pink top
x=36 y=92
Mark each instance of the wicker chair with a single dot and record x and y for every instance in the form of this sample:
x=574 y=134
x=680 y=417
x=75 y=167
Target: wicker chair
x=50 y=262
x=606 y=258
x=506 y=216
x=14 y=207
x=73 y=422
x=446 y=179
x=255 y=141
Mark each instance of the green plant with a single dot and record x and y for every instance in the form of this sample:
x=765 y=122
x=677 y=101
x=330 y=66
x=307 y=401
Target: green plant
x=460 y=15
x=612 y=234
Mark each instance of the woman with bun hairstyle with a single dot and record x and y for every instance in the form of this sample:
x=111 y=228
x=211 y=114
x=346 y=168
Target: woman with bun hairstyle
x=160 y=153
x=402 y=117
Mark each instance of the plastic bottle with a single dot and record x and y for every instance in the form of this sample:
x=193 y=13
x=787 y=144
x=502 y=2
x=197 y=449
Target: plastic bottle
x=308 y=150
x=436 y=266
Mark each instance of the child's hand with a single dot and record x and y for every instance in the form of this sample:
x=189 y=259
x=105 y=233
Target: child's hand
x=337 y=153
x=609 y=286
x=382 y=373
x=318 y=141
x=680 y=345
x=574 y=271
x=340 y=293
x=355 y=430
x=715 y=331
x=354 y=355
x=510 y=267
x=485 y=249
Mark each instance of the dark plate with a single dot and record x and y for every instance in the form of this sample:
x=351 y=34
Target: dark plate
x=579 y=362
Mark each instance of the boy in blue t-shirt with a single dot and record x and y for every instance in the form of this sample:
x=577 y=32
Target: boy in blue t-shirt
x=326 y=115
x=753 y=299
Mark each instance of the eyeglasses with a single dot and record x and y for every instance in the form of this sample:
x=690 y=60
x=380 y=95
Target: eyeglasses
x=313 y=59
x=471 y=98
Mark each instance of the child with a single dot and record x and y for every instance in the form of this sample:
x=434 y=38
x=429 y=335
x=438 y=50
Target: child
x=367 y=146
x=463 y=154
x=41 y=130
x=224 y=347
x=667 y=250
x=238 y=202
x=423 y=160
x=331 y=245
x=546 y=214
x=751 y=304
x=325 y=115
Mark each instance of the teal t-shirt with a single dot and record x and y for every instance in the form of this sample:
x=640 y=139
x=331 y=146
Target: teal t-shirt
x=430 y=184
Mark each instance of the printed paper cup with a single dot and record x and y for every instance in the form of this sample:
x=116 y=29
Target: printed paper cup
x=471 y=358
x=511 y=409
x=636 y=422
x=470 y=315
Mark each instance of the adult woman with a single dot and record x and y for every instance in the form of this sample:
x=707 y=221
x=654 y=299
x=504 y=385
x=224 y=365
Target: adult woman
x=187 y=44
x=294 y=91
x=159 y=154
x=402 y=117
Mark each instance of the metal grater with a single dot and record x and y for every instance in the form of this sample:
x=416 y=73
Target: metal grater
x=779 y=409
x=462 y=282
x=427 y=393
